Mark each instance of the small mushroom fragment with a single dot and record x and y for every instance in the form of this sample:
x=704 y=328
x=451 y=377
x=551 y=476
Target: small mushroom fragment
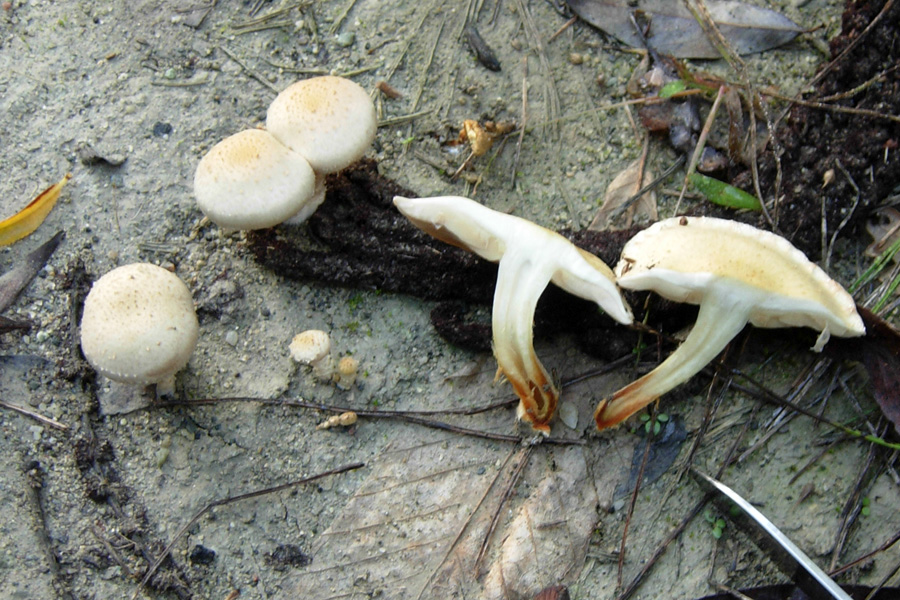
x=139 y=326
x=250 y=181
x=737 y=274
x=530 y=257
x=345 y=419
x=346 y=372
x=313 y=348
x=330 y=121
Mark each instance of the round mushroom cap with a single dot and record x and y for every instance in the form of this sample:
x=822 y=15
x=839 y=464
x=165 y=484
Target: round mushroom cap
x=310 y=346
x=139 y=324
x=329 y=120
x=251 y=181
x=348 y=366
x=683 y=258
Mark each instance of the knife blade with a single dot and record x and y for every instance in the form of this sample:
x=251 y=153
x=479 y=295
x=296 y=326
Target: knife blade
x=790 y=559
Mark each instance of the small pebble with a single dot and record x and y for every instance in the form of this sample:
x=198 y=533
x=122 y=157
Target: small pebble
x=161 y=129
x=345 y=39
x=575 y=58
x=231 y=338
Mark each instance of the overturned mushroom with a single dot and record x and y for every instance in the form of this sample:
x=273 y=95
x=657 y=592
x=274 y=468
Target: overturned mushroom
x=737 y=274
x=530 y=257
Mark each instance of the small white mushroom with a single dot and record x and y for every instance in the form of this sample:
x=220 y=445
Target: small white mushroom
x=530 y=257
x=346 y=372
x=139 y=326
x=251 y=181
x=737 y=274
x=328 y=120
x=313 y=348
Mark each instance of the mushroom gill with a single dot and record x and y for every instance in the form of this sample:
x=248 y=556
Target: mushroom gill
x=529 y=257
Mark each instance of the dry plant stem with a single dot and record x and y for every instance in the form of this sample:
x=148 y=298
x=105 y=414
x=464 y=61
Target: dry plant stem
x=770 y=396
x=863 y=112
x=524 y=457
x=111 y=550
x=407 y=416
x=560 y=31
x=884 y=580
x=812 y=461
x=452 y=547
x=409 y=40
x=704 y=19
x=701 y=142
x=33 y=485
x=653 y=184
x=340 y=18
x=879 y=78
x=404 y=118
x=250 y=72
x=828 y=246
x=730 y=591
x=634 y=496
x=551 y=94
x=852 y=506
x=866 y=557
x=783 y=417
x=36 y=416
x=821 y=75
x=423 y=77
x=679 y=529
x=270 y=15
x=524 y=122
x=231 y=500
x=713 y=402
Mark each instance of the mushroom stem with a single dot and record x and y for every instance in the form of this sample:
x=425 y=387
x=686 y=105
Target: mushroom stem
x=722 y=316
x=166 y=387
x=519 y=285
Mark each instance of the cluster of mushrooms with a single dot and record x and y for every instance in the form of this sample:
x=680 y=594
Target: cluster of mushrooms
x=139 y=324
x=262 y=177
x=736 y=273
x=259 y=178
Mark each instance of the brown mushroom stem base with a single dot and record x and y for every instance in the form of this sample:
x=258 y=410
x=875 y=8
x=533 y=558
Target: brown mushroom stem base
x=519 y=285
x=719 y=320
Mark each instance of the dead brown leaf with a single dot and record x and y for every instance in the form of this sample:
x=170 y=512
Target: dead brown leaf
x=625 y=185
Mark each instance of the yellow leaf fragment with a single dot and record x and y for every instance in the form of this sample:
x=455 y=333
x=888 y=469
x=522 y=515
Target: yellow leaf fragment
x=24 y=222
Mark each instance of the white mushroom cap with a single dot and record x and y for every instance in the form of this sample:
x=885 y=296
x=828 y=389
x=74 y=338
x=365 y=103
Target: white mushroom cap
x=251 y=181
x=313 y=347
x=346 y=372
x=139 y=324
x=329 y=120
x=737 y=274
x=680 y=258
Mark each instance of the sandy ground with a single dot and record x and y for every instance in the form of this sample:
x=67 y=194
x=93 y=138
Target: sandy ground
x=82 y=511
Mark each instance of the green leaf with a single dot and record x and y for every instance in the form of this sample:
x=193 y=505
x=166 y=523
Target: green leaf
x=719 y=192
x=672 y=88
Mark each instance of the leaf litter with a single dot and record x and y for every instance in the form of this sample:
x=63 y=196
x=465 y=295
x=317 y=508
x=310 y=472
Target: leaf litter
x=674 y=30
